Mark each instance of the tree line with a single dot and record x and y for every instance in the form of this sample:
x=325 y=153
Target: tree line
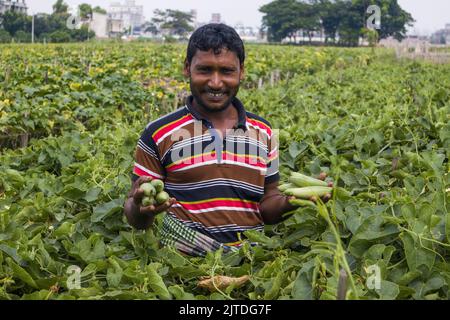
x=342 y=22
x=17 y=27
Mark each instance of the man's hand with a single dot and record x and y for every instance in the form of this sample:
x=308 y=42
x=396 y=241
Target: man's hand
x=274 y=204
x=143 y=217
x=326 y=197
x=137 y=194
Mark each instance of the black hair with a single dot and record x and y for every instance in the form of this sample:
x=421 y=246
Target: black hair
x=215 y=36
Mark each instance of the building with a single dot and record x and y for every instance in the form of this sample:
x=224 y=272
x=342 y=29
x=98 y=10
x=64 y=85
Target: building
x=216 y=18
x=115 y=27
x=100 y=25
x=132 y=15
x=441 y=36
x=248 y=34
x=13 y=5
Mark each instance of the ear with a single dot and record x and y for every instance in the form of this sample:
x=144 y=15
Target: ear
x=242 y=72
x=187 y=69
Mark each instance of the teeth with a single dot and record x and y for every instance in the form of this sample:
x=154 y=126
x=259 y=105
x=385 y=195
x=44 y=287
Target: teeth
x=215 y=94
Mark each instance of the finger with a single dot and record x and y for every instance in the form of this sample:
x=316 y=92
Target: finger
x=166 y=205
x=141 y=180
x=322 y=176
x=149 y=210
x=138 y=195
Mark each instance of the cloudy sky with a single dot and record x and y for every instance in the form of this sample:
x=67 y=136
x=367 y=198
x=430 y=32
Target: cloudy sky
x=430 y=15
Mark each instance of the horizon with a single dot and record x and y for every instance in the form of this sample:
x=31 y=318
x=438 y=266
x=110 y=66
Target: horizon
x=429 y=18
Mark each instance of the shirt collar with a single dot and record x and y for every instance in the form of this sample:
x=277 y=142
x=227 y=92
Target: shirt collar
x=242 y=115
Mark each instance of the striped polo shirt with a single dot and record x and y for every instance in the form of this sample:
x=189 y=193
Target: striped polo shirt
x=217 y=182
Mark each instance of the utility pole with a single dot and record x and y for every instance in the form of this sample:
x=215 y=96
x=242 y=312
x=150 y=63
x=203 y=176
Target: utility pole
x=32 y=28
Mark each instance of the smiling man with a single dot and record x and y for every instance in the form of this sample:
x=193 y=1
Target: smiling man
x=219 y=162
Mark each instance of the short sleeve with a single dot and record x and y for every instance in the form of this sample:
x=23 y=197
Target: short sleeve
x=272 y=174
x=147 y=159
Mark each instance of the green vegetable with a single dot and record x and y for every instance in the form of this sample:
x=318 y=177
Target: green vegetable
x=302 y=203
x=301 y=180
x=308 y=192
x=148 y=201
x=158 y=185
x=148 y=189
x=285 y=186
x=162 y=197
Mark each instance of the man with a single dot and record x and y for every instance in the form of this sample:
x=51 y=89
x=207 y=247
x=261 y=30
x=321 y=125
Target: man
x=219 y=162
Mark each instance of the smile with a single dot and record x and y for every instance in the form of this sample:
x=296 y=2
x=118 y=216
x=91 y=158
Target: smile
x=215 y=95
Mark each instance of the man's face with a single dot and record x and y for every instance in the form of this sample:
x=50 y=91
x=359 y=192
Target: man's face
x=214 y=78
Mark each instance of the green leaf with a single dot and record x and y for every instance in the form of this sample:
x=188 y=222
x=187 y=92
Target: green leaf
x=303 y=289
x=156 y=282
x=388 y=290
x=65 y=229
x=417 y=255
x=92 y=194
x=372 y=229
x=12 y=252
x=21 y=273
x=72 y=193
x=179 y=293
x=106 y=209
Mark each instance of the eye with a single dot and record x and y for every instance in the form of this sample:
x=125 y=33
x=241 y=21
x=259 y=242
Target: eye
x=228 y=71
x=204 y=69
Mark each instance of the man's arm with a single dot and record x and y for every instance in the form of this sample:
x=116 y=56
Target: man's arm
x=142 y=217
x=274 y=204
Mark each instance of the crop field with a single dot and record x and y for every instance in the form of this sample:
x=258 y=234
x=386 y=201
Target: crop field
x=70 y=118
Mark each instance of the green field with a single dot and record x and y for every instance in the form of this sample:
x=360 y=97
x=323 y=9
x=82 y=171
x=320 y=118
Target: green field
x=70 y=117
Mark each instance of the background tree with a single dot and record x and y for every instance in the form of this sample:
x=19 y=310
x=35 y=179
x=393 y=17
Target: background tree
x=85 y=11
x=309 y=19
x=13 y=21
x=330 y=15
x=150 y=27
x=351 y=24
x=175 y=21
x=5 y=37
x=281 y=19
x=99 y=10
x=60 y=7
x=344 y=18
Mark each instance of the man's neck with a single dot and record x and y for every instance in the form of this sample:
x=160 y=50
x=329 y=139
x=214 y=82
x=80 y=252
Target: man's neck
x=222 y=118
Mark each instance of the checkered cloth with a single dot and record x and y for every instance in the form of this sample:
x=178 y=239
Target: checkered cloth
x=174 y=233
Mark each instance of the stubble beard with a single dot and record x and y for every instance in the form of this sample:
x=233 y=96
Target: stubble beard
x=202 y=104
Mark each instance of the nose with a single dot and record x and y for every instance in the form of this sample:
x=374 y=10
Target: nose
x=215 y=82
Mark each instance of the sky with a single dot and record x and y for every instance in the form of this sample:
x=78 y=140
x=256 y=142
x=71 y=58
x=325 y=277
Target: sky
x=430 y=15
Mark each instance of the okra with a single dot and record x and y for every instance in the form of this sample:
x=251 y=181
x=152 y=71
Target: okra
x=285 y=186
x=308 y=192
x=301 y=180
x=301 y=203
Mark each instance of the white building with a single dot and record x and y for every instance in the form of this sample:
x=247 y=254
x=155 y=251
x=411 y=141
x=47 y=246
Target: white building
x=216 y=18
x=247 y=33
x=132 y=15
x=441 y=36
x=13 y=5
x=100 y=25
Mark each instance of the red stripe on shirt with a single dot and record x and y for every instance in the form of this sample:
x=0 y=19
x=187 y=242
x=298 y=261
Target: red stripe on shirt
x=220 y=203
x=260 y=125
x=165 y=129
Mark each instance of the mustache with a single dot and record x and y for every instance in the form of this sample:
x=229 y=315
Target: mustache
x=208 y=90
